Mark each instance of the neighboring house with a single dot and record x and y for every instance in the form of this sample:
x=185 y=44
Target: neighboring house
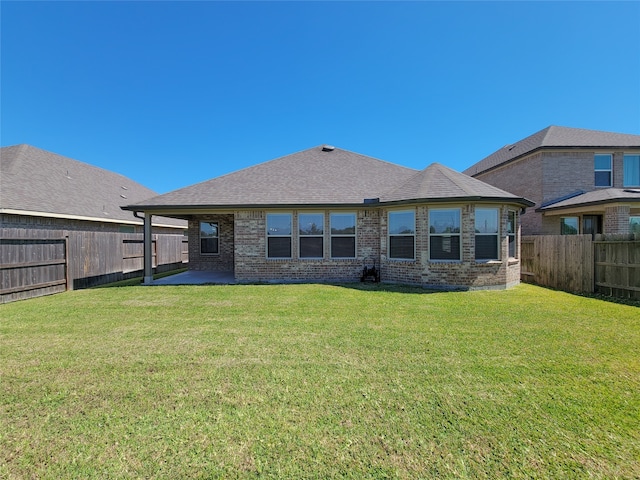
x=582 y=181
x=47 y=196
x=324 y=214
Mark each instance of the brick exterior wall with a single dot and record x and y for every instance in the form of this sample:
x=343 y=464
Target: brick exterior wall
x=548 y=175
x=243 y=250
x=221 y=262
x=616 y=219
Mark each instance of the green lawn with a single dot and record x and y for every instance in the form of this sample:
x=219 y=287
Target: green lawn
x=317 y=381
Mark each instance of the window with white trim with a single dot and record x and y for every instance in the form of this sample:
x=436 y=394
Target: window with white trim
x=444 y=234
x=343 y=235
x=402 y=235
x=209 y=238
x=279 y=235
x=603 y=169
x=631 y=167
x=512 y=231
x=487 y=233
x=311 y=235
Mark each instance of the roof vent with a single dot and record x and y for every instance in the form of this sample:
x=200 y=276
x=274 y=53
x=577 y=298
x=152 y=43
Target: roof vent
x=328 y=148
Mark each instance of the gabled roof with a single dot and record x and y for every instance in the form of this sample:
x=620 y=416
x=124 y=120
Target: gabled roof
x=325 y=176
x=596 y=197
x=317 y=176
x=42 y=183
x=438 y=183
x=555 y=137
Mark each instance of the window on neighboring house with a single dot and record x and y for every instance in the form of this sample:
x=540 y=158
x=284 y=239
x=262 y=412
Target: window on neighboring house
x=631 y=171
x=444 y=234
x=402 y=235
x=279 y=235
x=127 y=229
x=512 y=231
x=343 y=235
x=487 y=233
x=634 y=225
x=209 y=238
x=603 y=176
x=569 y=226
x=311 y=232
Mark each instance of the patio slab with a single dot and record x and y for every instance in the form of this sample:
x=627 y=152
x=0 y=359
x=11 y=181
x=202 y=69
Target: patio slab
x=194 y=277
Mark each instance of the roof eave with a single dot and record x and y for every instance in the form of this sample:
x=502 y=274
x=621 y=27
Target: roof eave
x=588 y=204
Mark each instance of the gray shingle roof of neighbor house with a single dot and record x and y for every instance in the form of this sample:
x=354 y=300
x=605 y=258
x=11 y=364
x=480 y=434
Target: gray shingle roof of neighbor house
x=41 y=183
x=322 y=176
x=595 y=197
x=554 y=137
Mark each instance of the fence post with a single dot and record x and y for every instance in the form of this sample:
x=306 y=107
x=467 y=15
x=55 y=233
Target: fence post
x=148 y=250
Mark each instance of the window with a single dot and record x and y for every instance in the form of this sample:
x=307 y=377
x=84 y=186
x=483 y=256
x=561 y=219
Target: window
x=127 y=229
x=631 y=171
x=634 y=225
x=209 y=238
x=279 y=235
x=569 y=226
x=311 y=231
x=487 y=234
x=402 y=235
x=444 y=234
x=343 y=235
x=512 y=230
x=602 y=163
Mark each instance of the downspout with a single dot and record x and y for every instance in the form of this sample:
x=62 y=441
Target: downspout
x=148 y=251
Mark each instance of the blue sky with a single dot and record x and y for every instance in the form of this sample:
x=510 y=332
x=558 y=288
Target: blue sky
x=174 y=93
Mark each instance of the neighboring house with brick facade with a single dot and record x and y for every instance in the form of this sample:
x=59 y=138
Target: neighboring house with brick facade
x=324 y=214
x=582 y=181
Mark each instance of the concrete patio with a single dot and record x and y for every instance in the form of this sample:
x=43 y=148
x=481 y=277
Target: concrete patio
x=194 y=277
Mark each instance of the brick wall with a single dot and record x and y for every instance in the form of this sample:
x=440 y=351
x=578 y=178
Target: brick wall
x=221 y=262
x=616 y=219
x=243 y=249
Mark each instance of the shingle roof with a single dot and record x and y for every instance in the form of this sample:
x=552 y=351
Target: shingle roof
x=437 y=182
x=38 y=181
x=596 y=197
x=554 y=137
x=309 y=177
x=323 y=178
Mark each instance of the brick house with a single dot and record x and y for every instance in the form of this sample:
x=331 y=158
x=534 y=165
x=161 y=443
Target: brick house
x=582 y=181
x=324 y=214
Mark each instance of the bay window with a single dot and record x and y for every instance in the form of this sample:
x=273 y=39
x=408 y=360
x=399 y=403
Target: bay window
x=444 y=234
x=487 y=233
x=402 y=235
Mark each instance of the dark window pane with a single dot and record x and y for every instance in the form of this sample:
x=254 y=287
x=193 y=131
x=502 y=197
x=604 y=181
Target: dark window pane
x=401 y=247
x=343 y=247
x=603 y=179
x=444 y=247
x=486 y=247
x=208 y=245
x=279 y=247
x=311 y=247
x=512 y=246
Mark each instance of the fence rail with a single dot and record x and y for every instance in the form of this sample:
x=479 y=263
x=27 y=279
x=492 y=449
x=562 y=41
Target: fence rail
x=608 y=264
x=59 y=261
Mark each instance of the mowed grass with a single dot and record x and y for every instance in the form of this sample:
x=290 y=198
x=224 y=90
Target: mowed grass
x=319 y=381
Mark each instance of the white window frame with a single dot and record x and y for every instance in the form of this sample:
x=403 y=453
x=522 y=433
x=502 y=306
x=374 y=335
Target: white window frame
x=390 y=235
x=353 y=235
x=609 y=170
x=627 y=168
x=302 y=236
x=479 y=233
x=269 y=234
x=443 y=235
x=216 y=236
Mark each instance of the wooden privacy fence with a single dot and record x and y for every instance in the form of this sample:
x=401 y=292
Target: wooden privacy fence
x=608 y=264
x=31 y=267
